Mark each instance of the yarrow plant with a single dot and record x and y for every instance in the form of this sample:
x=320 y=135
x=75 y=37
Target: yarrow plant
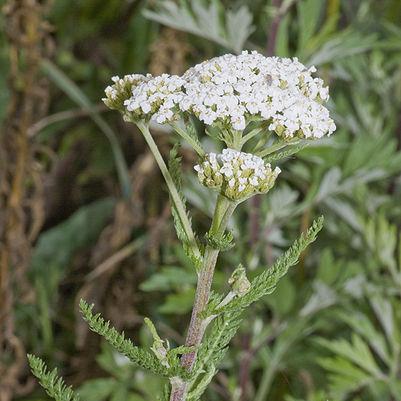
x=258 y=110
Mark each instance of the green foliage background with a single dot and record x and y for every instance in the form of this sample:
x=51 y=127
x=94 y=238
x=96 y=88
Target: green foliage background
x=332 y=329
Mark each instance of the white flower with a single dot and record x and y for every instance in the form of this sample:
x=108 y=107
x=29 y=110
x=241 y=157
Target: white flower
x=121 y=89
x=237 y=175
x=230 y=89
x=155 y=98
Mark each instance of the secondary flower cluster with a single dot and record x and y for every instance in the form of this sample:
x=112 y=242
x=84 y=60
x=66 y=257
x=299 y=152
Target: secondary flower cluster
x=237 y=175
x=231 y=91
x=121 y=90
x=158 y=97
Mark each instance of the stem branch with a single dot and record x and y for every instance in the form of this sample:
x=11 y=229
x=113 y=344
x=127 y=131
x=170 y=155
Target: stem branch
x=175 y=196
x=195 y=145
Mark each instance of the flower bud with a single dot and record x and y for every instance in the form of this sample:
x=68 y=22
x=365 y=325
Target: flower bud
x=121 y=90
x=237 y=175
x=158 y=347
x=239 y=282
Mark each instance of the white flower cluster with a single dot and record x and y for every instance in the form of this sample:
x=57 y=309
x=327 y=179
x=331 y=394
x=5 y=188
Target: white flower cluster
x=157 y=98
x=237 y=175
x=232 y=90
x=121 y=90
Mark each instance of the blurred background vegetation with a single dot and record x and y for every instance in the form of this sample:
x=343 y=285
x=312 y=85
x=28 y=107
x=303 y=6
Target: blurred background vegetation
x=84 y=211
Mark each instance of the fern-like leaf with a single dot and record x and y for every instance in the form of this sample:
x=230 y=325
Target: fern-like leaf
x=222 y=243
x=50 y=381
x=285 y=153
x=165 y=396
x=201 y=387
x=230 y=316
x=266 y=282
x=136 y=355
x=216 y=343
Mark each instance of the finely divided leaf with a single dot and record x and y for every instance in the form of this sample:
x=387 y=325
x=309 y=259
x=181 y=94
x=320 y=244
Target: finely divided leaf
x=54 y=385
x=266 y=282
x=230 y=317
x=136 y=355
x=216 y=343
x=285 y=153
x=201 y=387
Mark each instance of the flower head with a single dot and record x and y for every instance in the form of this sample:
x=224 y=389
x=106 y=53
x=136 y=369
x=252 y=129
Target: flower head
x=231 y=90
x=237 y=175
x=156 y=98
x=121 y=90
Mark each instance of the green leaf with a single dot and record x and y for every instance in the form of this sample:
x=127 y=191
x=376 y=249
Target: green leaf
x=216 y=342
x=54 y=385
x=384 y=313
x=266 y=282
x=54 y=252
x=361 y=324
x=56 y=246
x=346 y=43
x=238 y=27
x=309 y=12
x=206 y=21
x=136 y=355
x=356 y=352
x=97 y=389
x=201 y=387
x=284 y=297
x=179 y=303
x=344 y=377
x=329 y=185
x=223 y=243
x=169 y=278
x=294 y=149
x=282 y=39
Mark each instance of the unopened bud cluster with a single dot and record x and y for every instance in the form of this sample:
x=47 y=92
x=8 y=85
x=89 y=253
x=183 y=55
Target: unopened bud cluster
x=121 y=90
x=237 y=175
x=239 y=282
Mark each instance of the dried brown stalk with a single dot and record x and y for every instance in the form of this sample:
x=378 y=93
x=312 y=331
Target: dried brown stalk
x=20 y=183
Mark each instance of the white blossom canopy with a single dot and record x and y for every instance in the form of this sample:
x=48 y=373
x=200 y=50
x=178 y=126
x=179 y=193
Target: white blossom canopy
x=231 y=91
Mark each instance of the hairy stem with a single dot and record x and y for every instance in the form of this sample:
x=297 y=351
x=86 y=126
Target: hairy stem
x=175 y=196
x=223 y=211
x=195 y=145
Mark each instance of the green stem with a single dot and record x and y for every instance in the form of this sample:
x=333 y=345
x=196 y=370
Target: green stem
x=175 y=196
x=251 y=134
x=192 y=141
x=223 y=211
x=277 y=146
x=237 y=140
